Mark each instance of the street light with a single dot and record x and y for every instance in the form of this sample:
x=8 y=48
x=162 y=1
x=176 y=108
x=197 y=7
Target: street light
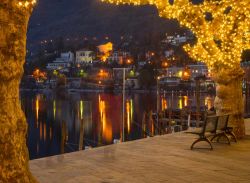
x=123 y=105
x=164 y=64
x=157 y=100
x=129 y=61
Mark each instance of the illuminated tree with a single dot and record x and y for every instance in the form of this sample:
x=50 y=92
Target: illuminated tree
x=14 y=16
x=222 y=30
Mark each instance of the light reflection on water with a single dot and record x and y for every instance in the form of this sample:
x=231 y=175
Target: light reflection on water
x=91 y=119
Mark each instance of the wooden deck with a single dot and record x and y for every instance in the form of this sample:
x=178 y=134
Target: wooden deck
x=166 y=158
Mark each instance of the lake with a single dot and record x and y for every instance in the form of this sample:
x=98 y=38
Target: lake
x=86 y=120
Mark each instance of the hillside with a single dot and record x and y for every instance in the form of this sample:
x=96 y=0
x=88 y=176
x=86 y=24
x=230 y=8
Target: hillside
x=91 y=18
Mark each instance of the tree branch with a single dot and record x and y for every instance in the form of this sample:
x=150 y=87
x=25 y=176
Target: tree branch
x=220 y=38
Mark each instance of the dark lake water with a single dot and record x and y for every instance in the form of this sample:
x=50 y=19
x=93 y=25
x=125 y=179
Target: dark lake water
x=86 y=120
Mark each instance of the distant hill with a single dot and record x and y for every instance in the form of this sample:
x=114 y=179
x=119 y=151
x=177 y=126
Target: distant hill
x=91 y=18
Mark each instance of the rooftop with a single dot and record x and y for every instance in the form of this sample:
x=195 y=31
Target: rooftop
x=166 y=158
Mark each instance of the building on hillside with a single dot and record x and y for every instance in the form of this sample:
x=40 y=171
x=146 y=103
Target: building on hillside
x=199 y=69
x=119 y=57
x=84 y=57
x=245 y=64
x=174 y=71
x=68 y=56
x=177 y=40
x=115 y=57
x=168 y=53
x=141 y=64
x=118 y=73
x=62 y=63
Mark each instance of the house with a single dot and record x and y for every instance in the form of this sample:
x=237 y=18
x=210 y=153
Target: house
x=119 y=57
x=174 y=71
x=170 y=82
x=141 y=64
x=168 y=53
x=115 y=57
x=62 y=63
x=68 y=56
x=199 y=69
x=84 y=57
x=175 y=40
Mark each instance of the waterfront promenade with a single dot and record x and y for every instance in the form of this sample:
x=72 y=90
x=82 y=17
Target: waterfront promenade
x=166 y=158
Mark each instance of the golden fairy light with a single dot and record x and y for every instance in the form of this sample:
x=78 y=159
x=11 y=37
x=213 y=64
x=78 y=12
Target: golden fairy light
x=221 y=39
x=26 y=3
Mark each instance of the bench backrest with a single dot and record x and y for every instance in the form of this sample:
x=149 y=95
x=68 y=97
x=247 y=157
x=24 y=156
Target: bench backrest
x=210 y=124
x=222 y=122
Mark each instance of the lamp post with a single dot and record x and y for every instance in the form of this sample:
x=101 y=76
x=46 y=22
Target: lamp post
x=158 y=100
x=123 y=104
x=123 y=69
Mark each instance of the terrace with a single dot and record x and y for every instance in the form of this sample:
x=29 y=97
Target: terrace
x=166 y=158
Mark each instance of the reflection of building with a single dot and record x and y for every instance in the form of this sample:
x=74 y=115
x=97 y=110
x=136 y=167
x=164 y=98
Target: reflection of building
x=62 y=63
x=84 y=57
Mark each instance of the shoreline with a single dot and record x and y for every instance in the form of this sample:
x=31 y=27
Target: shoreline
x=71 y=91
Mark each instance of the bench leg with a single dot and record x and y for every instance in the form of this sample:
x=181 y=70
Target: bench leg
x=215 y=136
x=223 y=135
x=233 y=135
x=202 y=139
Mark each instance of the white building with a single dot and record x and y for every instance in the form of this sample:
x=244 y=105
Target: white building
x=174 y=71
x=68 y=56
x=62 y=63
x=199 y=69
x=141 y=64
x=179 y=40
x=115 y=57
x=175 y=40
x=119 y=57
x=168 y=53
x=84 y=57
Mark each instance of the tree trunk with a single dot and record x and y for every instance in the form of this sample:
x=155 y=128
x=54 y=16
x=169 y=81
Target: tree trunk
x=14 y=155
x=229 y=99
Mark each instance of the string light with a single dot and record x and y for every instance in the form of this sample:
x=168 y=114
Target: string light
x=26 y=3
x=221 y=39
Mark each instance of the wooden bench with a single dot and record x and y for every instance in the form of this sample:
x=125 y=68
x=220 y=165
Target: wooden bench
x=215 y=127
x=207 y=130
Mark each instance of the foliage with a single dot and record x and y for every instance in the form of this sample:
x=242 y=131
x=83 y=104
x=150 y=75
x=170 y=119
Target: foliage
x=221 y=27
